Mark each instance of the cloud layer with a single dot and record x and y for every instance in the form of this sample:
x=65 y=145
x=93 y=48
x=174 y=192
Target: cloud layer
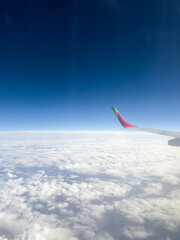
x=88 y=185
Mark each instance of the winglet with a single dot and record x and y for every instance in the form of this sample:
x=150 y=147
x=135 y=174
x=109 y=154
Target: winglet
x=123 y=122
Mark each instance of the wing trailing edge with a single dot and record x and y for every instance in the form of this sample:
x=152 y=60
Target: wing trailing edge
x=173 y=142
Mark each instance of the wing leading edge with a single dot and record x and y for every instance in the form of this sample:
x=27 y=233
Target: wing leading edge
x=174 y=142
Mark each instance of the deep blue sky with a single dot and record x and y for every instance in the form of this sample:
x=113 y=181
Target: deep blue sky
x=64 y=63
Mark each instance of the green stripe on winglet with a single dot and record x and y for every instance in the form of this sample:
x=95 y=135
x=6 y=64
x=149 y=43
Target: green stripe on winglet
x=115 y=111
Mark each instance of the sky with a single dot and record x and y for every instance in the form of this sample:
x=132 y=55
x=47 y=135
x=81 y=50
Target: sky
x=63 y=64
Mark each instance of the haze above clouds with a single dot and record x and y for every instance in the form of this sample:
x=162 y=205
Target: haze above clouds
x=88 y=185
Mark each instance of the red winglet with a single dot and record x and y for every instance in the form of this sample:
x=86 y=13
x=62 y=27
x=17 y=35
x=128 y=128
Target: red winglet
x=124 y=123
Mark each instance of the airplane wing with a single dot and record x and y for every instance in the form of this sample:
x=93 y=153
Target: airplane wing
x=174 y=142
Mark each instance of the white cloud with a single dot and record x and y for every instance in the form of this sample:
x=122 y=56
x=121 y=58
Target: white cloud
x=39 y=232
x=10 y=224
x=137 y=233
x=67 y=185
x=153 y=189
x=10 y=175
x=3 y=238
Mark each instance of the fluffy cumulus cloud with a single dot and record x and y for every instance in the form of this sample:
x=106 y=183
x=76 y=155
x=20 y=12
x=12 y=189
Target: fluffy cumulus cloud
x=88 y=185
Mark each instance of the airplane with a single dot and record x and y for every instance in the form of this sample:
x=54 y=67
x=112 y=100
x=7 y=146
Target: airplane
x=175 y=141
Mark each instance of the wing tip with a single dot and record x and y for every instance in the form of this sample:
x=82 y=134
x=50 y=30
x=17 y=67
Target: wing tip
x=123 y=122
x=115 y=111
